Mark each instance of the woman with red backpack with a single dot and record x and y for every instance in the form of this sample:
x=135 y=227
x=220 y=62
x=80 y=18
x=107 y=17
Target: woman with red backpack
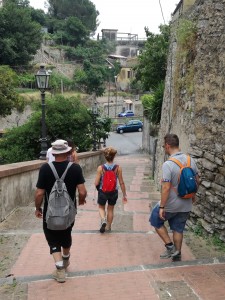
x=106 y=182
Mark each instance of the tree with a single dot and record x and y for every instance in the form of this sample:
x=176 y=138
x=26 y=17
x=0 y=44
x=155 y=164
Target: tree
x=91 y=78
x=69 y=118
x=152 y=104
x=8 y=96
x=72 y=32
x=153 y=60
x=65 y=118
x=103 y=127
x=20 y=36
x=84 y=10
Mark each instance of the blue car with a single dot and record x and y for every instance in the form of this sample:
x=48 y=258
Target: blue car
x=127 y=113
x=133 y=125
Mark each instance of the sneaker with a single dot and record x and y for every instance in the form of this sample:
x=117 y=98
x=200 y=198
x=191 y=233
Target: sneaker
x=66 y=261
x=108 y=228
x=59 y=275
x=103 y=225
x=170 y=252
x=176 y=257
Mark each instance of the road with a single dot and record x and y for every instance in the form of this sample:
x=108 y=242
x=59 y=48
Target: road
x=126 y=143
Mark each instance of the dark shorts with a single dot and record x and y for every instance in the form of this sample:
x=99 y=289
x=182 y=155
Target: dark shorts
x=177 y=221
x=110 y=197
x=58 y=238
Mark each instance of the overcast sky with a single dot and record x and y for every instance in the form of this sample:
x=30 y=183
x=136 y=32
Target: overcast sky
x=129 y=16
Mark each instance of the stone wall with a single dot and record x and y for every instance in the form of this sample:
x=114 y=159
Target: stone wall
x=18 y=181
x=15 y=118
x=198 y=117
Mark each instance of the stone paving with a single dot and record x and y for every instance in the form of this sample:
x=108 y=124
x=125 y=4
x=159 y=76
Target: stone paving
x=124 y=263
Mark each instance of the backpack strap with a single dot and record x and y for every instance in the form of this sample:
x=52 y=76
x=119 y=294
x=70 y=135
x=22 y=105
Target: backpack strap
x=55 y=172
x=65 y=172
x=188 y=161
x=115 y=169
x=176 y=161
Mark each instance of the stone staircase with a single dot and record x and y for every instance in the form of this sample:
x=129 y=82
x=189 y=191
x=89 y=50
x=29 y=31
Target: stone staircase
x=55 y=57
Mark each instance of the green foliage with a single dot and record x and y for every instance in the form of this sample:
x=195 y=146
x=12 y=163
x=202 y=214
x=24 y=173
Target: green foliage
x=56 y=80
x=212 y=240
x=153 y=60
x=136 y=85
x=26 y=80
x=91 y=78
x=72 y=32
x=217 y=242
x=65 y=118
x=38 y=16
x=152 y=104
x=103 y=127
x=186 y=34
x=9 y=98
x=94 y=51
x=20 y=36
x=186 y=40
x=69 y=118
x=198 y=229
x=84 y=10
x=22 y=143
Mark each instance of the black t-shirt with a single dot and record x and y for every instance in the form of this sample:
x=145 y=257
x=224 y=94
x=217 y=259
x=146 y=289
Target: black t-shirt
x=46 y=179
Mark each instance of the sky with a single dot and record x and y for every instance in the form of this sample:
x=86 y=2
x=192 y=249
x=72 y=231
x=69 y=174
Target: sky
x=129 y=16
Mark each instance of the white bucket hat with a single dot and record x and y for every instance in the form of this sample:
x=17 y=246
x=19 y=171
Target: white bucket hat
x=60 y=147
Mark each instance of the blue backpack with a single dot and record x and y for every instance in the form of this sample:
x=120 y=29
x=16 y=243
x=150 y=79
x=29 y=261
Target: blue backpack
x=187 y=184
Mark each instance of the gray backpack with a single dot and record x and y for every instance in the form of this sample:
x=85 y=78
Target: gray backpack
x=61 y=210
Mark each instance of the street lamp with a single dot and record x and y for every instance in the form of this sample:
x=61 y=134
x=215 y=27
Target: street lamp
x=95 y=114
x=116 y=95
x=109 y=89
x=42 y=79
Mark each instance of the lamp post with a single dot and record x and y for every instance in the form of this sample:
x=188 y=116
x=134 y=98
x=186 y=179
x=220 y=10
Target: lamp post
x=42 y=79
x=109 y=89
x=95 y=114
x=116 y=96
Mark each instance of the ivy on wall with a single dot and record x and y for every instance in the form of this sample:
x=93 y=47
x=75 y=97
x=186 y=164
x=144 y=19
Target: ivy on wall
x=186 y=36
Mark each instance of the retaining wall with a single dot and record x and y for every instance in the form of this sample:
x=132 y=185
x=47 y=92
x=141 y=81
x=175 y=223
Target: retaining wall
x=18 y=181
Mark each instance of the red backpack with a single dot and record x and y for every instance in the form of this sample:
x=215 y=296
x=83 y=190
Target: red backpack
x=109 y=179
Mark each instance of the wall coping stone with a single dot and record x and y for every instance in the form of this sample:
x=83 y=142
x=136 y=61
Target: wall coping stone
x=26 y=166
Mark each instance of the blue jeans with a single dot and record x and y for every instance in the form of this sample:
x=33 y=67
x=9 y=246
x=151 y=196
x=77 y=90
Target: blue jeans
x=177 y=221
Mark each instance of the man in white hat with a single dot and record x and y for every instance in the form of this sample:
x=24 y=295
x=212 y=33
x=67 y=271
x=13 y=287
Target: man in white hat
x=59 y=241
x=49 y=156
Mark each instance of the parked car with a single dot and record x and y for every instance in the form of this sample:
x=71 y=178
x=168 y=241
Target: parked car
x=127 y=113
x=133 y=125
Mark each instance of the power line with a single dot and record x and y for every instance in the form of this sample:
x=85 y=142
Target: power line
x=162 y=12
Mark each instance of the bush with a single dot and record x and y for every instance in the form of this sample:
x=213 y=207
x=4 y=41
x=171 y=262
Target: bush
x=65 y=118
x=152 y=104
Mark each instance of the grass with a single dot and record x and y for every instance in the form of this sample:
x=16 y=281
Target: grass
x=212 y=240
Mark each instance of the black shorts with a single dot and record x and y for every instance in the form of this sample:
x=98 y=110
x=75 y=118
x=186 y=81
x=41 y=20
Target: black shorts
x=58 y=238
x=110 y=197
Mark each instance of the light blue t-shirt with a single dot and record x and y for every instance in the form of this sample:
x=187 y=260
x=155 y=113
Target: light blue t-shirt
x=170 y=173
